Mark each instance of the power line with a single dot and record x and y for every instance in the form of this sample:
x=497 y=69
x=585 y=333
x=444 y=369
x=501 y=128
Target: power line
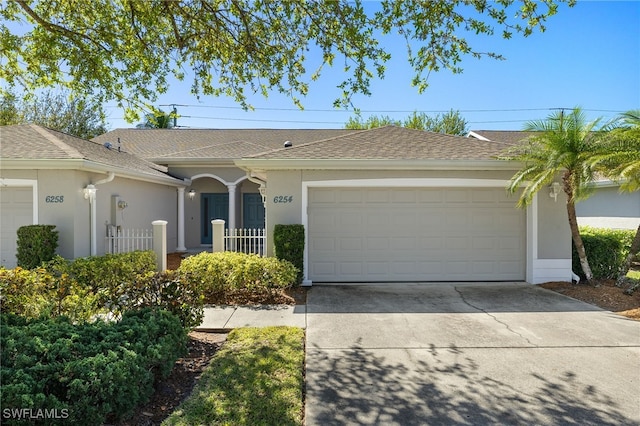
x=387 y=111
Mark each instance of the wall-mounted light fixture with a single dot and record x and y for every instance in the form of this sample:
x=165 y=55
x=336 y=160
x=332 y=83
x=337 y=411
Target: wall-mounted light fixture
x=554 y=190
x=122 y=204
x=192 y=194
x=90 y=193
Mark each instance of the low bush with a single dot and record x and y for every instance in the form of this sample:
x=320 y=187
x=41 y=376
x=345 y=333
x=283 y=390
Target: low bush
x=606 y=251
x=288 y=242
x=37 y=292
x=224 y=272
x=85 y=287
x=91 y=373
x=36 y=244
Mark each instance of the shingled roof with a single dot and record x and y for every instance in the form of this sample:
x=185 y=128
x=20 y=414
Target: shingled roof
x=175 y=144
x=32 y=142
x=391 y=143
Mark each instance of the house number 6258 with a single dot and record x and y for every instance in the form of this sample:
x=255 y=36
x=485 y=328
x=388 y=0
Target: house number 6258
x=283 y=199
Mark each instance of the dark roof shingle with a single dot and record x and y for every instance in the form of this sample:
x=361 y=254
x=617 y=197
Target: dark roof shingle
x=391 y=143
x=32 y=142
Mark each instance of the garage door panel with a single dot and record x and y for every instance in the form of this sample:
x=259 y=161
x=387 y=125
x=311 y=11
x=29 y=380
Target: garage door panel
x=416 y=234
x=16 y=210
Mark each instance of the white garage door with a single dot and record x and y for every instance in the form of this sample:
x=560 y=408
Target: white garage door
x=415 y=234
x=16 y=210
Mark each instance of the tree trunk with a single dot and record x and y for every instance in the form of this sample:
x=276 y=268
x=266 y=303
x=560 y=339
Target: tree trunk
x=577 y=240
x=635 y=248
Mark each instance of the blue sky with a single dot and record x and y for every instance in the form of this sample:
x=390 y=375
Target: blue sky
x=589 y=56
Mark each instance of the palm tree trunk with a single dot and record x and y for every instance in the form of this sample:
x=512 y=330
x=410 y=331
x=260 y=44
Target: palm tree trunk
x=633 y=251
x=577 y=240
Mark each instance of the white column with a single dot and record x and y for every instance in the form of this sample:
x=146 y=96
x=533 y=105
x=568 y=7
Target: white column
x=232 y=206
x=160 y=243
x=217 y=235
x=181 y=246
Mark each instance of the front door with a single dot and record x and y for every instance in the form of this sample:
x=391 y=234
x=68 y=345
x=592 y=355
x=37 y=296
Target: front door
x=213 y=206
x=253 y=211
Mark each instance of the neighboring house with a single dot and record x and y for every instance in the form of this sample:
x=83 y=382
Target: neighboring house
x=43 y=177
x=606 y=207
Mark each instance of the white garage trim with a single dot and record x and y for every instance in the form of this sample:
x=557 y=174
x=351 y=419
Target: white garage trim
x=531 y=243
x=25 y=183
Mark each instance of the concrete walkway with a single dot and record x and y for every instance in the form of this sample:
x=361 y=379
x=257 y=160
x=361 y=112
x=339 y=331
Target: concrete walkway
x=226 y=318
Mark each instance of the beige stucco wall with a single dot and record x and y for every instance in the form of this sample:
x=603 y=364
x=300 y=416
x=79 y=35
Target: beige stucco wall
x=146 y=202
x=554 y=234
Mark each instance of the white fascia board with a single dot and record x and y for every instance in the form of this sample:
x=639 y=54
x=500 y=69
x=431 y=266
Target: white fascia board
x=88 y=166
x=351 y=164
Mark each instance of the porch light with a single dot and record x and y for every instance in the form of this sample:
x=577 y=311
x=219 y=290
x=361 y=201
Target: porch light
x=192 y=194
x=90 y=193
x=554 y=190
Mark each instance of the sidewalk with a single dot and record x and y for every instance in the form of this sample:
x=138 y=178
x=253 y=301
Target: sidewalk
x=226 y=318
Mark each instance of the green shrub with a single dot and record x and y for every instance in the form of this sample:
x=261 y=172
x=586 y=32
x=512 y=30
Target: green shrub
x=223 y=272
x=606 y=251
x=36 y=244
x=111 y=277
x=288 y=242
x=98 y=372
x=85 y=287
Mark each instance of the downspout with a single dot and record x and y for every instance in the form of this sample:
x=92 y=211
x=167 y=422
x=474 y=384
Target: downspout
x=93 y=229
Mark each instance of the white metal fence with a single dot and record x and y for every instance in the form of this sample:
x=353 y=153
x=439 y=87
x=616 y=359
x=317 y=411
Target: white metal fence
x=246 y=240
x=120 y=240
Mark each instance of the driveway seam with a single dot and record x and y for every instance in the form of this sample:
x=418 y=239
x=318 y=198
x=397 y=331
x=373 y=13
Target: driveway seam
x=466 y=302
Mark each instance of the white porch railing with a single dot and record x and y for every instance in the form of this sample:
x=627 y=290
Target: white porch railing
x=246 y=240
x=120 y=240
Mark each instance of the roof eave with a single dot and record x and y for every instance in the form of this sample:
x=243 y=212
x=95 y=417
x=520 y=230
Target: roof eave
x=88 y=166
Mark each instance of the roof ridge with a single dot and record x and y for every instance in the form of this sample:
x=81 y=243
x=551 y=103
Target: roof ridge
x=45 y=132
x=355 y=132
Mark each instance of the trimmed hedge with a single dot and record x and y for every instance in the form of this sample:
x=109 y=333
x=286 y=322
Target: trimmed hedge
x=85 y=287
x=606 y=251
x=288 y=242
x=36 y=244
x=91 y=373
x=225 y=272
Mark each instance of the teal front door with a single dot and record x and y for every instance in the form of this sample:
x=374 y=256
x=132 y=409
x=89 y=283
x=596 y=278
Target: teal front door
x=253 y=211
x=213 y=206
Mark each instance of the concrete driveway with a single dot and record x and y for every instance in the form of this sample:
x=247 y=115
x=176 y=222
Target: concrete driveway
x=470 y=354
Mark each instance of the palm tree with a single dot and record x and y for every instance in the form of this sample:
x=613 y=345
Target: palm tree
x=158 y=119
x=619 y=160
x=562 y=145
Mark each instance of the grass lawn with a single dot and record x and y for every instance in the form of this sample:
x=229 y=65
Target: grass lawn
x=255 y=379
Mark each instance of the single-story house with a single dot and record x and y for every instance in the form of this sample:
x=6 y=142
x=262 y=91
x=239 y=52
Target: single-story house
x=82 y=187
x=606 y=207
x=388 y=204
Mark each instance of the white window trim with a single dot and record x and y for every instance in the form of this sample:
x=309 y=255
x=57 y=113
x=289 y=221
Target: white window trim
x=22 y=183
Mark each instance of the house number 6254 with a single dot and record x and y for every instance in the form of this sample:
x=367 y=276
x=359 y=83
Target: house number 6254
x=283 y=199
